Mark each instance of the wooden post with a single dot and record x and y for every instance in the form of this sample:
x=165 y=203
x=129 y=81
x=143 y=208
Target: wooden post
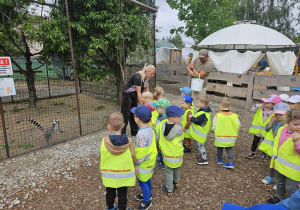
x=250 y=90
x=4 y=129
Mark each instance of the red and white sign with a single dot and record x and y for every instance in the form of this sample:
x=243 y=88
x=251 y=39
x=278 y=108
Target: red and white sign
x=5 y=66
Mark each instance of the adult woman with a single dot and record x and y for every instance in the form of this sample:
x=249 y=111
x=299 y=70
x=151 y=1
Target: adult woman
x=132 y=93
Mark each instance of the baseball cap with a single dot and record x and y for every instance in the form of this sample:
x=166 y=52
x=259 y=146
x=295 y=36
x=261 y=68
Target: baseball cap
x=188 y=99
x=275 y=99
x=185 y=90
x=164 y=103
x=174 y=111
x=281 y=108
x=142 y=112
x=203 y=53
x=230 y=206
x=284 y=97
x=294 y=99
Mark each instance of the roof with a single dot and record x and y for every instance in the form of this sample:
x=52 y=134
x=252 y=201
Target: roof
x=164 y=44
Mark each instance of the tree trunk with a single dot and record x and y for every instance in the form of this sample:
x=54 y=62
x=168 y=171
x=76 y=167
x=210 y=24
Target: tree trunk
x=119 y=82
x=32 y=102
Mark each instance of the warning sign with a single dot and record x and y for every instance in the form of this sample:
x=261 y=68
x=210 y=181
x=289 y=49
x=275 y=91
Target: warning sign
x=7 y=87
x=5 y=66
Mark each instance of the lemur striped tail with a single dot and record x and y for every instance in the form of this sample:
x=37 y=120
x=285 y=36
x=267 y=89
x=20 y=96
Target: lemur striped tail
x=33 y=122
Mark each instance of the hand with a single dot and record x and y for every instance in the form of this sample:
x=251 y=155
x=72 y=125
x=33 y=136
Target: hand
x=295 y=137
x=190 y=116
x=191 y=74
x=184 y=129
x=136 y=170
x=273 y=118
x=260 y=105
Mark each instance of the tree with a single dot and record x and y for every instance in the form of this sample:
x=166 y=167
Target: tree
x=275 y=14
x=176 y=40
x=203 y=17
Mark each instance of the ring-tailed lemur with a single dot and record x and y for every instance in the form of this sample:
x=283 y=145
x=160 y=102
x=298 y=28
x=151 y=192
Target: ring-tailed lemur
x=46 y=131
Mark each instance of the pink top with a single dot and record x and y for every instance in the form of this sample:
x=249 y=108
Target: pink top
x=151 y=107
x=158 y=97
x=285 y=135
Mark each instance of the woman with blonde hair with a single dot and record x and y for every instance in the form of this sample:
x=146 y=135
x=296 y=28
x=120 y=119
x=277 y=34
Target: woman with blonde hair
x=132 y=94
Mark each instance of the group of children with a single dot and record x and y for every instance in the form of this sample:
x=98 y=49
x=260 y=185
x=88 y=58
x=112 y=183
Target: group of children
x=167 y=130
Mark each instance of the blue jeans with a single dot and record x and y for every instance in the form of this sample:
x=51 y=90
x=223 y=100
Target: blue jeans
x=146 y=189
x=160 y=157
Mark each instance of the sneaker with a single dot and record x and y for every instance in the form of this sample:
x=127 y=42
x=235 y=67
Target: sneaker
x=273 y=200
x=187 y=150
x=140 y=197
x=228 y=165
x=275 y=187
x=114 y=208
x=263 y=157
x=160 y=166
x=145 y=205
x=267 y=180
x=219 y=161
x=202 y=162
x=251 y=155
x=176 y=185
x=169 y=194
x=198 y=157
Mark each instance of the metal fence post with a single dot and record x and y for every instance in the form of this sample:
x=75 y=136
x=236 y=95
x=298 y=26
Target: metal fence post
x=4 y=129
x=249 y=98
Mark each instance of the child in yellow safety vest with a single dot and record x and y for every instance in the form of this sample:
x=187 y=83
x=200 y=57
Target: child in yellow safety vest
x=117 y=162
x=200 y=127
x=186 y=102
x=286 y=157
x=145 y=150
x=186 y=91
x=281 y=111
x=226 y=125
x=261 y=118
x=170 y=136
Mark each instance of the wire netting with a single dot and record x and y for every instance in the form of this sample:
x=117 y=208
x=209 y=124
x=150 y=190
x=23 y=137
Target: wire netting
x=46 y=109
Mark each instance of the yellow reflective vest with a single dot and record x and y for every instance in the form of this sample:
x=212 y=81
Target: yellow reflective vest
x=258 y=125
x=146 y=168
x=116 y=170
x=154 y=117
x=285 y=159
x=184 y=122
x=226 y=131
x=172 y=151
x=200 y=133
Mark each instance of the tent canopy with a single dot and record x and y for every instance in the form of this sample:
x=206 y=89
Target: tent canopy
x=246 y=36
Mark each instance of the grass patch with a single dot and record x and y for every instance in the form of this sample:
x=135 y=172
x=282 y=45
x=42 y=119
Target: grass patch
x=25 y=146
x=59 y=103
x=100 y=107
x=16 y=109
x=3 y=146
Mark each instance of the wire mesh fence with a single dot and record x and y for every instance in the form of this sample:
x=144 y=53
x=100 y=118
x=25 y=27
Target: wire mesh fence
x=46 y=109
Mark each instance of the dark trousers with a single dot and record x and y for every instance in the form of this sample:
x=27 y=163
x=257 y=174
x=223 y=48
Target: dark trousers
x=285 y=185
x=129 y=100
x=111 y=195
x=255 y=143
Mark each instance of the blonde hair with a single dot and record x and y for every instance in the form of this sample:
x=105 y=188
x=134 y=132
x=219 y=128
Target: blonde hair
x=203 y=99
x=116 y=121
x=147 y=97
x=147 y=68
x=293 y=115
x=225 y=102
x=158 y=91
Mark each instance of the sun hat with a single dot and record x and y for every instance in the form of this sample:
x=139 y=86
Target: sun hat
x=185 y=90
x=275 y=99
x=281 y=108
x=294 y=99
x=230 y=206
x=174 y=111
x=284 y=97
x=188 y=99
x=203 y=53
x=142 y=112
x=164 y=103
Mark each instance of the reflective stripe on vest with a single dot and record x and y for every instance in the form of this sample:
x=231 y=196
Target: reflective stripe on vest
x=225 y=140
x=117 y=175
x=146 y=171
x=258 y=127
x=198 y=132
x=269 y=142
x=288 y=164
x=173 y=160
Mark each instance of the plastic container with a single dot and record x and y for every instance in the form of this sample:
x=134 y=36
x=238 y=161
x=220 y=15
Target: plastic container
x=197 y=84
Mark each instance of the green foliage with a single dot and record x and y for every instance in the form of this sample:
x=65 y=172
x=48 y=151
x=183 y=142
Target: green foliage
x=3 y=146
x=25 y=146
x=59 y=103
x=203 y=17
x=16 y=109
x=176 y=40
x=100 y=107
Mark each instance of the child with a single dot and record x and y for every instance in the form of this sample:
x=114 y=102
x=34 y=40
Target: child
x=170 y=136
x=201 y=124
x=294 y=102
x=261 y=118
x=145 y=149
x=147 y=98
x=158 y=114
x=117 y=154
x=161 y=105
x=286 y=157
x=186 y=122
x=186 y=91
x=158 y=93
x=281 y=111
x=226 y=125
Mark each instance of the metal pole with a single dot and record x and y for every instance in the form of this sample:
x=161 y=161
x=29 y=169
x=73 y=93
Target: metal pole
x=123 y=42
x=4 y=128
x=48 y=81
x=73 y=63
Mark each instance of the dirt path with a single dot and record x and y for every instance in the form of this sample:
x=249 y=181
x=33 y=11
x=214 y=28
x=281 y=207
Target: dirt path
x=66 y=176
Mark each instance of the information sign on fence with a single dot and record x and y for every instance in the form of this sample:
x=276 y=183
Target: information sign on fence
x=5 y=66
x=7 y=87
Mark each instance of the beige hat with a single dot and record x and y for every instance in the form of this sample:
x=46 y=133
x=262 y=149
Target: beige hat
x=203 y=53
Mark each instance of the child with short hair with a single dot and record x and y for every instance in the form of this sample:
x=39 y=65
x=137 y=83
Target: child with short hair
x=145 y=149
x=147 y=98
x=226 y=125
x=286 y=157
x=117 y=154
x=281 y=111
x=294 y=102
x=186 y=102
x=200 y=127
x=186 y=91
x=261 y=118
x=170 y=136
x=158 y=93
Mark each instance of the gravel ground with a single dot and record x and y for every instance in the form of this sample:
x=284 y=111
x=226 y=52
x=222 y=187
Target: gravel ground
x=66 y=176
